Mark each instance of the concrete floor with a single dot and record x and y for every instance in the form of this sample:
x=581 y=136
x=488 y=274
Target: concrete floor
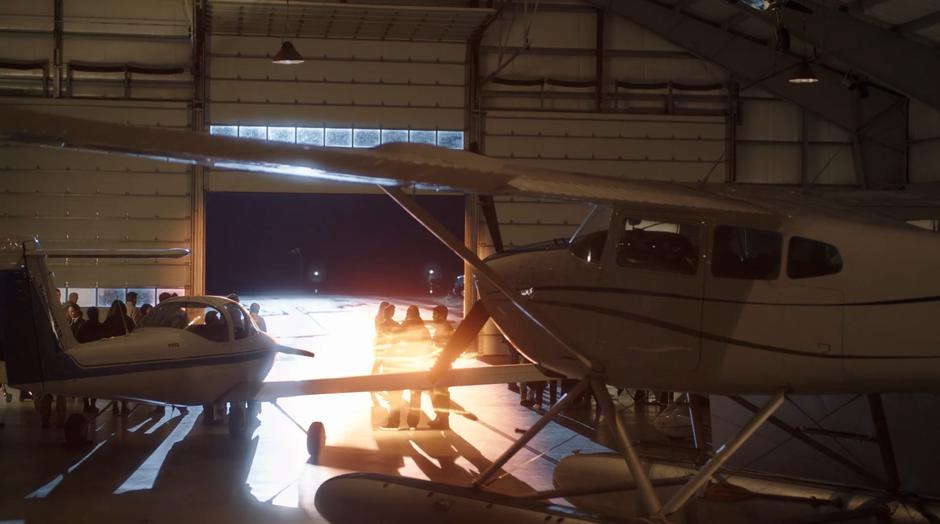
x=172 y=468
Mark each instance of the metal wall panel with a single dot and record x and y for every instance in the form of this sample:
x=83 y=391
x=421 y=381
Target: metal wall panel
x=74 y=199
x=342 y=83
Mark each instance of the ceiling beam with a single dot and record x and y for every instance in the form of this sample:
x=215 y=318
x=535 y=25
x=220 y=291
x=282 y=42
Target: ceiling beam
x=884 y=55
x=877 y=123
x=860 y=6
x=753 y=62
x=917 y=24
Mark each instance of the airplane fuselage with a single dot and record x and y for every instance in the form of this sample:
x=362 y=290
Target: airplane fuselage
x=816 y=304
x=161 y=365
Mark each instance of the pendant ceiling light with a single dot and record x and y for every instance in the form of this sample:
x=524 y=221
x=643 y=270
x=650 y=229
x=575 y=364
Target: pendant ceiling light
x=804 y=74
x=287 y=55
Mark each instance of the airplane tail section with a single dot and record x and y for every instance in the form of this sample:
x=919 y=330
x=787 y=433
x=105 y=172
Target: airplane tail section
x=30 y=328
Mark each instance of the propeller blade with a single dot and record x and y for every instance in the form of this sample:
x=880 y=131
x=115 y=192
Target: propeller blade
x=294 y=351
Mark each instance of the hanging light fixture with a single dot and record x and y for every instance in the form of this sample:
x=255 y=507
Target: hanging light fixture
x=287 y=55
x=804 y=74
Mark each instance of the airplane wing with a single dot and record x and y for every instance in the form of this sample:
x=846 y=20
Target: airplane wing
x=389 y=164
x=417 y=380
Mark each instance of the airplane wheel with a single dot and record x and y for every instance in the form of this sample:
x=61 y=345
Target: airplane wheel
x=237 y=420
x=316 y=439
x=76 y=429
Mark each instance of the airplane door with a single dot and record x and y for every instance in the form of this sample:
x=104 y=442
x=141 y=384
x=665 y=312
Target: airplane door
x=760 y=317
x=652 y=281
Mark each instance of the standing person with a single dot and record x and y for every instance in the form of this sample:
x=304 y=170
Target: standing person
x=255 y=311
x=416 y=341
x=234 y=297
x=117 y=323
x=132 y=311
x=386 y=339
x=163 y=296
x=75 y=318
x=144 y=311
x=92 y=329
x=440 y=397
x=73 y=298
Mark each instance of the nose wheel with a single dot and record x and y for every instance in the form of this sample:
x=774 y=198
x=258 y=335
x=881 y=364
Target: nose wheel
x=316 y=439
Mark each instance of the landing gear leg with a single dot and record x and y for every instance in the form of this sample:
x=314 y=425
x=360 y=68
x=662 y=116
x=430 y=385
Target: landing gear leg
x=708 y=470
x=645 y=488
x=237 y=420
x=316 y=439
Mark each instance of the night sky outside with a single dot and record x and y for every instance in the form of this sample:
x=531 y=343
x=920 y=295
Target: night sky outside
x=360 y=244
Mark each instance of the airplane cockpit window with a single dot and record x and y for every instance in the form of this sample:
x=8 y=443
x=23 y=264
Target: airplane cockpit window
x=809 y=258
x=241 y=322
x=659 y=246
x=195 y=317
x=741 y=252
x=588 y=241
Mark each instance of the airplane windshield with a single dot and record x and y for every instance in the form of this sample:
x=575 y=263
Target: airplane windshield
x=198 y=318
x=588 y=241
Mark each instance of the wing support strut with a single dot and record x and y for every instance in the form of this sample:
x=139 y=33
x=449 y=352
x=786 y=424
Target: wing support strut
x=438 y=230
x=722 y=455
x=559 y=406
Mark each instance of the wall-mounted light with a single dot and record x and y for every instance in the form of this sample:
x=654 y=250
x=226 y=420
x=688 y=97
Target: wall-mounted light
x=803 y=74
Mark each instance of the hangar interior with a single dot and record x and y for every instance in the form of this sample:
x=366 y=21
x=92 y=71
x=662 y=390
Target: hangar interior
x=676 y=90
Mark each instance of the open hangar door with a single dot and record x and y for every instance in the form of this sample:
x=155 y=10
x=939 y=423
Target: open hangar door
x=362 y=84
x=338 y=244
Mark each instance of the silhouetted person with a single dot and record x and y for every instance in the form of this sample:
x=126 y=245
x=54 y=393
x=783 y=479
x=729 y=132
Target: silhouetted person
x=163 y=296
x=386 y=333
x=132 y=311
x=440 y=397
x=92 y=329
x=118 y=323
x=255 y=311
x=75 y=318
x=416 y=340
x=233 y=297
x=144 y=311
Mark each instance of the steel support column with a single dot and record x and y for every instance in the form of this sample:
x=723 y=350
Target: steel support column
x=57 y=51
x=198 y=122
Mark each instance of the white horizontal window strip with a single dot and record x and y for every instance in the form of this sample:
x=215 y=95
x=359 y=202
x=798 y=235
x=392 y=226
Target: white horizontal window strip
x=343 y=137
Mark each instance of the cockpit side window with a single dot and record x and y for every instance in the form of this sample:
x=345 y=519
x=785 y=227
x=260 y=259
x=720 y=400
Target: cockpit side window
x=741 y=252
x=241 y=322
x=659 y=246
x=588 y=241
x=197 y=318
x=809 y=258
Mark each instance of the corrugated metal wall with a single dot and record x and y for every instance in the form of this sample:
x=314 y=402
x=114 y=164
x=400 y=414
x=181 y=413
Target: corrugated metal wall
x=342 y=84
x=72 y=199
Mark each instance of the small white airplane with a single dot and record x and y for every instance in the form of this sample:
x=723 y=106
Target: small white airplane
x=700 y=288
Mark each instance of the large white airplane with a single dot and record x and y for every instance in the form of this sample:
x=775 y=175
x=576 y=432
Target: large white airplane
x=700 y=288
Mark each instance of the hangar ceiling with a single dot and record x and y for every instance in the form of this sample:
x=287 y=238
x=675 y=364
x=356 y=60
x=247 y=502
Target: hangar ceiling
x=578 y=85
x=431 y=22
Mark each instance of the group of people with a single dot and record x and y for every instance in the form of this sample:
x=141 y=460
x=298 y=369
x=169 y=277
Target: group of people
x=123 y=317
x=411 y=346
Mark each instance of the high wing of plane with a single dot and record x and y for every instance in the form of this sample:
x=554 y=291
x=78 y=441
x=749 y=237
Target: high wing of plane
x=705 y=288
